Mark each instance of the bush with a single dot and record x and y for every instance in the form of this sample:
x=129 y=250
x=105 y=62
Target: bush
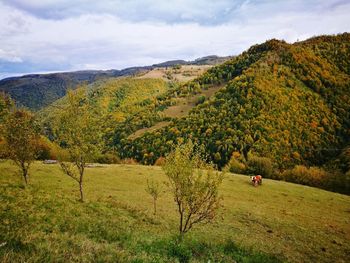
x=235 y=166
x=200 y=100
x=109 y=158
x=260 y=165
x=49 y=150
x=3 y=154
x=313 y=176
x=44 y=149
x=160 y=161
x=338 y=181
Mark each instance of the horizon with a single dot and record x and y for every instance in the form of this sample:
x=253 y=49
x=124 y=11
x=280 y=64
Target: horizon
x=42 y=37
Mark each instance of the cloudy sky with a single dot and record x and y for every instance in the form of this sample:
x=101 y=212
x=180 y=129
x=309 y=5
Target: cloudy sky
x=64 y=35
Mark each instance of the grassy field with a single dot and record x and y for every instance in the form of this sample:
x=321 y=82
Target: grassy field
x=275 y=222
x=183 y=74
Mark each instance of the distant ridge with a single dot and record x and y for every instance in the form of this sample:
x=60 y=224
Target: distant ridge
x=208 y=60
x=36 y=91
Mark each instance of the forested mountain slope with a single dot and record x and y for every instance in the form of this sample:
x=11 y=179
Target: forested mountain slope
x=288 y=102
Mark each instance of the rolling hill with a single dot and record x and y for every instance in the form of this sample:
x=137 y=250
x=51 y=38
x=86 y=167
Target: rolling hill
x=37 y=91
x=40 y=90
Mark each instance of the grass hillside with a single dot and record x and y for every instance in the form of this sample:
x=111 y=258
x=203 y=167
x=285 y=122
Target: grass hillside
x=275 y=222
x=176 y=73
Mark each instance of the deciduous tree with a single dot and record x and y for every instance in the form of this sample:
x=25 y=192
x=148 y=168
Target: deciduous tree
x=21 y=135
x=77 y=131
x=153 y=188
x=194 y=186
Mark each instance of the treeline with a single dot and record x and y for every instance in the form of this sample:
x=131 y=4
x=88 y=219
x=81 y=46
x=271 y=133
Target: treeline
x=193 y=183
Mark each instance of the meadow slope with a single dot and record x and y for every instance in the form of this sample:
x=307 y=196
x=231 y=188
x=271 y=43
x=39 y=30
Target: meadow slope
x=278 y=221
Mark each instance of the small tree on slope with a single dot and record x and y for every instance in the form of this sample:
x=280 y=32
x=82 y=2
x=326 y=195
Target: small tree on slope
x=194 y=185
x=77 y=131
x=154 y=190
x=21 y=135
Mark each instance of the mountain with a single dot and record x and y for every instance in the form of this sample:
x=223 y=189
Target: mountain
x=286 y=102
x=36 y=91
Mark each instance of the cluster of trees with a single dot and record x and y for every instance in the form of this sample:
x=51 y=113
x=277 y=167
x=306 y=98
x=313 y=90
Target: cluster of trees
x=19 y=136
x=193 y=183
x=75 y=132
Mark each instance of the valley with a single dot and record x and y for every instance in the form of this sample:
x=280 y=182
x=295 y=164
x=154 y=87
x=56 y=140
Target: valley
x=279 y=110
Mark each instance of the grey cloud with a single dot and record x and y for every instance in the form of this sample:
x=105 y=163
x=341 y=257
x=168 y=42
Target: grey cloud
x=97 y=37
x=204 y=12
x=176 y=11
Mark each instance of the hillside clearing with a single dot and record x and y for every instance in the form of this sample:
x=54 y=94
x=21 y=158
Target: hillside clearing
x=183 y=107
x=183 y=74
x=46 y=222
x=155 y=127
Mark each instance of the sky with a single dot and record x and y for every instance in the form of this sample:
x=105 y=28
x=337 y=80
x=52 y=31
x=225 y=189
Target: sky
x=38 y=36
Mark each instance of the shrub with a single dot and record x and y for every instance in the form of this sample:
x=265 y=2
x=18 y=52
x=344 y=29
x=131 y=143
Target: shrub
x=109 y=158
x=160 y=161
x=260 y=165
x=3 y=154
x=338 y=181
x=44 y=149
x=235 y=166
x=313 y=176
x=200 y=100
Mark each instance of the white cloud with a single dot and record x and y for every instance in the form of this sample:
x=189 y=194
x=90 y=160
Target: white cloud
x=9 y=56
x=91 y=40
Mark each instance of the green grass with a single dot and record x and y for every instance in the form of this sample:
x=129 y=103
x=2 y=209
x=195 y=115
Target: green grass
x=275 y=222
